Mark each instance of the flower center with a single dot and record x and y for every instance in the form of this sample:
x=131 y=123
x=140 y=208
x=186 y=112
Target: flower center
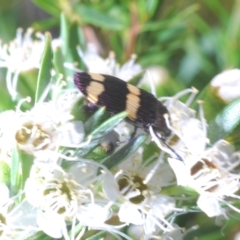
x=3 y=223
x=173 y=140
x=204 y=169
x=34 y=135
x=62 y=198
x=128 y=185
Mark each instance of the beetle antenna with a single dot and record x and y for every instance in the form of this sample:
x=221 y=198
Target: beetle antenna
x=152 y=132
x=177 y=155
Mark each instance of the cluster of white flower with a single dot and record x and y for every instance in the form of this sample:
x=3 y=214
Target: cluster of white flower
x=22 y=54
x=69 y=196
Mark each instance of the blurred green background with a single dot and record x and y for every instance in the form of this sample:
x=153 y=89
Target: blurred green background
x=191 y=40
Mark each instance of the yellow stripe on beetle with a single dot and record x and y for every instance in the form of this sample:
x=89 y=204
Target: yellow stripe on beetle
x=97 y=77
x=134 y=90
x=94 y=90
x=132 y=105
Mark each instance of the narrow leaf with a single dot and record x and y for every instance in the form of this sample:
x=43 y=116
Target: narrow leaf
x=58 y=62
x=64 y=25
x=94 y=120
x=46 y=24
x=27 y=162
x=108 y=125
x=78 y=111
x=212 y=104
x=225 y=122
x=15 y=171
x=97 y=18
x=52 y=7
x=137 y=78
x=5 y=173
x=71 y=37
x=100 y=132
x=100 y=235
x=124 y=152
x=44 y=74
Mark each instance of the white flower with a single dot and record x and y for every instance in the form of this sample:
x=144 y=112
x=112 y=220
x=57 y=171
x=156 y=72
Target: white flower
x=188 y=132
x=157 y=75
x=58 y=198
x=44 y=128
x=109 y=66
x=16 y=222
x=177 y=234
x=209 y=174
x=227 y=84
x=72 y=197
x=156 y=220
x=7 y=127
x=137 y=187
x=22 y=54
x=124 y=130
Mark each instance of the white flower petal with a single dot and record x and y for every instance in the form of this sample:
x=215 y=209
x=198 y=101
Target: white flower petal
x=193 y=136
x=93 y=215
x=110 y=187
x=227 y=84
x=32 y=192
x=181 y=172
x=210 y=205
x=71 y=133
x=4 y=193
x=51 y=224
x=83 y=172
x=129 y=213
x=25 y=215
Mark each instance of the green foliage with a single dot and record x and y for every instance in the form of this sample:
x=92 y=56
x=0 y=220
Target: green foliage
x=192 y=40
x=98 y=133
x=44 y=75
x=225 y=122
x=126 y=151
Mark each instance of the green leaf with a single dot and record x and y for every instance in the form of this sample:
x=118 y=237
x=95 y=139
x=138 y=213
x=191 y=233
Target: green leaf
x=39 y=236
x=7 y=103
x=44 y=25
x=95 y=120
x=225 y=122
x=78 y=111
x=148 y=8
x=172 y=21
x=64 y=26
x=96 y=154
x=58 y=62
x=179 y=190
x=222 y=13
x=44 y=74
x=5 y=173
x=124 y=152
x=14 y=186
x=150 y=150
x=27 y=162
x=212 y=104
x=52 y=7
x=71 y=37
x=208 y=232
x=28 y=85
x=136 y=79
x=108 y=125
x=89 y=15
x=100 y=235
x=101 y=131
